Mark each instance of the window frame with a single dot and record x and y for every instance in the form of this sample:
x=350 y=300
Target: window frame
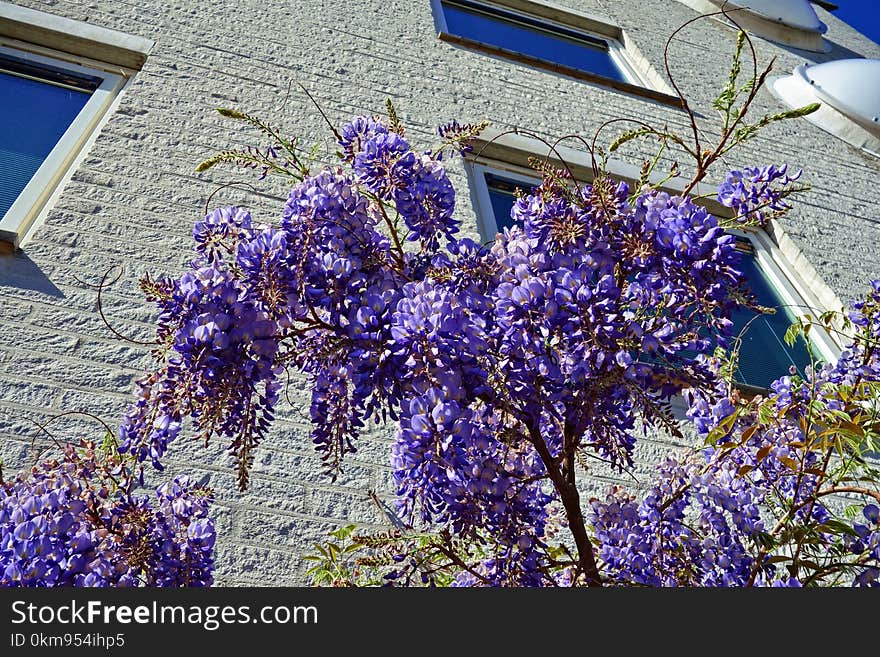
x=79 y=46
x=773 y=263
x=636 y=82
x=34 y=196
x=487 y=224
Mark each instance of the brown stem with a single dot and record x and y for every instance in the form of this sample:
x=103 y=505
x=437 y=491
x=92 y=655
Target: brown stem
x=849 y=489
x=449 y=552
x=394 y=237
x=570 y=497
x=703 y=163
x=822 y=493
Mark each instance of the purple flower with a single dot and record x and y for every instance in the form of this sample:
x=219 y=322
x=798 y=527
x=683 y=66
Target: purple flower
x=566 y=338
x=357 y=132
x=66 y=523
x=757 y=194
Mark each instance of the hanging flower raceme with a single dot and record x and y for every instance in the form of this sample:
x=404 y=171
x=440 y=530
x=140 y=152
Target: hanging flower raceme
x=750 y=509
x=222 y=355
x=75 y=522
x=757 y=194
x=498 y=363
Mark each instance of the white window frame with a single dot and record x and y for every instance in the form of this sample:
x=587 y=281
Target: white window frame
x=33 y=198
x=616 y=50
x=618 y=55
x=773 y=263
x=487 y=225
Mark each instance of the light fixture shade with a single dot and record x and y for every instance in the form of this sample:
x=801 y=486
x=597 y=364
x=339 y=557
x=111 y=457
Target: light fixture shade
x=790 y=22
x=798 y=14
x=849 y=93
x=851 y=86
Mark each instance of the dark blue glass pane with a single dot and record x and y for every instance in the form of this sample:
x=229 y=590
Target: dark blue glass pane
x=502 y=197
x=544 y=43
x=764 y=356
x=502 y=204
x=33 y=116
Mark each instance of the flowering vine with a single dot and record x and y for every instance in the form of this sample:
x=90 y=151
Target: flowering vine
x=76 y=521
x=505 y=366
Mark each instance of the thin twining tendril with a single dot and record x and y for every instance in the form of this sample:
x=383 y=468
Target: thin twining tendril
x=232 y=183
x=100 y=287
x=43 y=429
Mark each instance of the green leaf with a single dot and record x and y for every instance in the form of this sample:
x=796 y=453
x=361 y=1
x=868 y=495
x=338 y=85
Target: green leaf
x=827 y=317
x=765 y=413
x=343 y=532
x=777 y=558
x=832 y=526
x=852 y=511
x=851 y=428
x=789 y=463
x=791 y=334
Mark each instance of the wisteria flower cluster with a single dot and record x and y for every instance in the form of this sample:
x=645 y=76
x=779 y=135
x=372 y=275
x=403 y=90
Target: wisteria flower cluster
x=757 y=507
x=757 y=194
x=501 y=365
x=74 y=521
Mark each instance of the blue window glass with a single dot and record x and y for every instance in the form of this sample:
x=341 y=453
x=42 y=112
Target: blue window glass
x=531 y=37
x=502 y=198
x=39 y=104
x=764 y=356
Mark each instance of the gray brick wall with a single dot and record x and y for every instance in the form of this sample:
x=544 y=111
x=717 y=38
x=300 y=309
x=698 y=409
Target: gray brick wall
x=135 y=196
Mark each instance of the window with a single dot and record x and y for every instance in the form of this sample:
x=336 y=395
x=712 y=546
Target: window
x=764 y=356
x=58 y=79
x=49 y=109
x=561 y=41
x=531 y=37
x=501 y=195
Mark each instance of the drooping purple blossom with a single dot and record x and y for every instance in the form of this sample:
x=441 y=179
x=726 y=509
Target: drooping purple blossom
x=567 y=335
x=67 y=523
x=711 y=519
x=354 y=134
x=756 y=194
